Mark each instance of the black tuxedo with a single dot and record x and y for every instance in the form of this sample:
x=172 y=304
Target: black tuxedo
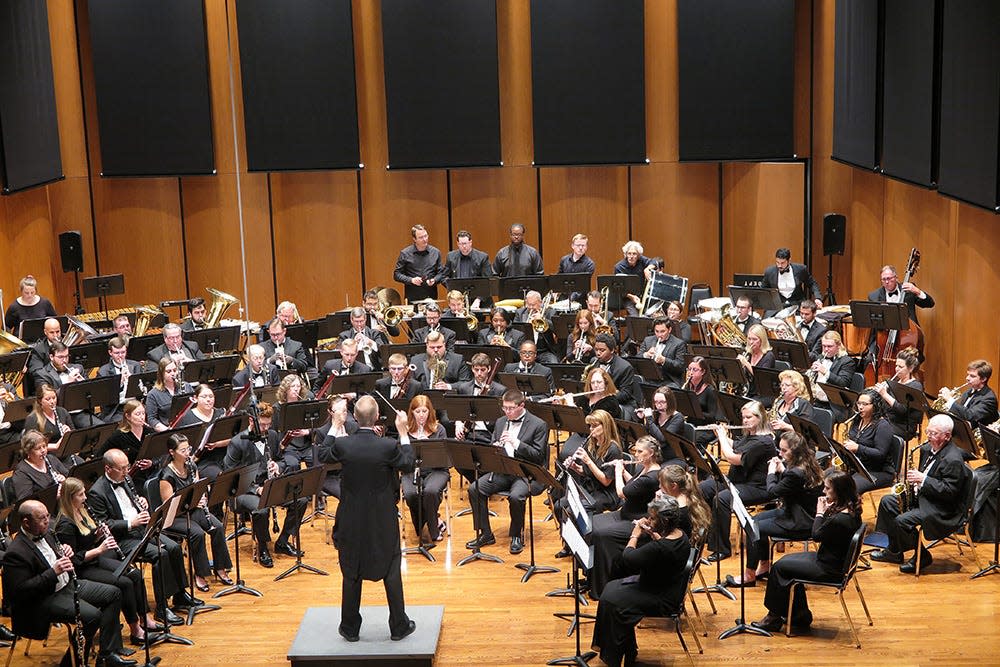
x=338 y=366
x=479 y=264
x=371 y=359
x=813 y=338
x=299 y=360
x=842 y=371
x=673 y=365
x=623 y=375
x=456 y=371
x=513 y=337
x=160 y=351
x=188 y=325
x=805 y=285
x=911 y=301
x=536 y=369
x=384 y=386
x=50 y=376
x=109 y=412
x=745 y=326
x=38 y=358
x=979 y=408
x=420 y=336
x=268 y=373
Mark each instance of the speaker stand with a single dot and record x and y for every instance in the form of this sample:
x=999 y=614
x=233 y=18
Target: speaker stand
x=829 y=298
x=76 y=295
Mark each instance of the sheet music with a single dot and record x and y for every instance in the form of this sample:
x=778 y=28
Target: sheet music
x=574 y=540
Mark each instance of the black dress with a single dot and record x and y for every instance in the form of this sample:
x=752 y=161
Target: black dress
x=210 y=460
x=596 y=497
x=906 y=422
x=609 y=404
x=201 y=522
x=794 y=516
x=655 y=588
x=874 y=448
x=434 y=480
x=674 y=424
x=128 y=443
x=28 y=480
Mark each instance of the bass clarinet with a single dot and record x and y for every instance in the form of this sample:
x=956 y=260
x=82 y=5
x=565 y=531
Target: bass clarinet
x=78 y=638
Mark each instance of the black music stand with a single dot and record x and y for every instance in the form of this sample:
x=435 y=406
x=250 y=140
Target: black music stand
x=681 y=448
x=842 y=400
x=89 y=355
x=850 y=460
x=711 y=351
x=630 y=432
x=479 y=459
x=647 y=368
x=215 y=340
x=569 y=284
x=187 y=500
x=432 y=454
x=761 y=298
x=767 y=383
x=139 y=347
x=752 y=534
x=10 y=456
x=85 y=443
x=566 y=371
x=139 y=384
x=14 y=362
x=88 y=472
x=476 y=288
x=731 y=406
x=688 y=405
x=288 y=489
x=638 y=328
x=353 y=383
x=991 y=447
x=570 y=385
x=227 y=486
x=574 y=527
x=179 y=402
x=880 y=315
x=17 y=411
x=568 y=418
x=154 y=446
x=266 y=394
x=223 y=428
x=408 y=350
x=911 y=397
x=726 y=370
x=102 y=287
x=329 y=327
x=31 y=330
x=792 y=352
x=563 y=323
x=618 y=286
x=506 y=354
x=515 y=287
x=534 y=473
x=461 y=329
x=88 y=394
x=203 y=371
x=526 y=383
x=306 y=333
x=308 y=415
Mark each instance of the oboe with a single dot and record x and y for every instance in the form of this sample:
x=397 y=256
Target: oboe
x=78 y=638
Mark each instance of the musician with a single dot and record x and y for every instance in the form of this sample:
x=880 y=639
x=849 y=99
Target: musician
x=523 y=436
x=195 y=319
x=174 y=346
x=666 y=350
x=456 y=370
x=977 y=404
x=287 y=312
x=663 y=418
x=422 y=424
x=204 y=412
x=621 y=371
x=122 y=326
x=37 y=469
x=348 y=363
x=756 y=354
x=869 y=437
x=47 y=417
x=366 y=532
x=285 y=353
x=518 y=258
x=114 y=502
x=680 y=484
x=794 y=400
x=748 y=462
x=51 y=333
x=795 y=479
x=793 y=281
x=580 y=342
x=634 y=263
x=744 y=315
x=298 y=448
x=591 y=465
x=369 y=340
x=834 y=367
x=699 y=381
x=257 y=371
x=654 y=585
x=577 y=261
x=892 y=291
x=159 y=399
x=400 y=383
x=904 y=422
x=340 y=425
x=500 y=329
x=480 y=431
x=466 y=261
x=123 y=368
x=681 y=328
x=28 y=306
x=838 y=517
x=59 y=371
x=529 y=365
x=373 y=318
x=128 y=437
x=261 y=449
x=419 y=267
x=940 y=484
x=94 y=560
x=432 y=315
x=602 y=316
x=810 y=328
x=605 y=396
x=178 y=473
x=36 y=583
x=456 y=305
x=545 y=341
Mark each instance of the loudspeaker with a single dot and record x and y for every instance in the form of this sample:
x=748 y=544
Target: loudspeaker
x=71 y=251
x=834 y=233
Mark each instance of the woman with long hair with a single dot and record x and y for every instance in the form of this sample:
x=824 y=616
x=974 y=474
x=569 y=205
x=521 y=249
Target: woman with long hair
x=128 y=437
x=422 y=424
x=159 y=399
x=838 y=517
x=794 y=400
x=95 y=558
x=756 y=354
x=869 y=437
x=203 y=411
x=662 y=418
x=681 y=485
x=298 y=448
x=48 y=418
x=37 y=469
x=794 y=478
x=904 y=422
x=682 y=328
x=605 y=397
x=580 y=342
x=699 y=381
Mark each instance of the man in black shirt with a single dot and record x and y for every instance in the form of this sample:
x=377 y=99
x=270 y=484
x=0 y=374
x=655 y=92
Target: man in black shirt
x=419 y=267
x=518 y=258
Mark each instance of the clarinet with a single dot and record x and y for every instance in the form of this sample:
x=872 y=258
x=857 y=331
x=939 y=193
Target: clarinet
x=102 y=527
x=78 y=638
x=132 y=493
x=192 y=472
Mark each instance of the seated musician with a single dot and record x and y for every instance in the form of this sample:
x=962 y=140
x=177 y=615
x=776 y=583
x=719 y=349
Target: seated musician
x=159 y=399
x=680 y=484
x=528 y=364
x=869 y=437
x=9 y=431
x=904 y=422
x=666 y=350
x=203 y=411
x=499 y=332
x=177 y=473
x=128 y=437
x=283 y=352
x=517 y=258
x=700 y=381
x=422 y=425
x=174 y=346
x=794 y=400
x=261 y=449
x=51 y=333
x=756 y=354
x=977 y=404
x=122 y=326
x=340 y=425
x=748 y=461
x=745 y=317
x=793 y=281
x=939 y=485
x=348 y=363
x=663 y=418
x=621 y=372
x=432 y=315
x=58 y=372
x=811 y=329
x=833 y=367
x=369 y=340
x=456 y=305
x=418 y=267
x=195 y=319
x=400 y=383
x=478 y=431
x=602 y=316
x=634 y=263
x=580 y=342
x=437 y=368
x=545 y=341
x=123 y=368
x=296 y=443
x=599 y=393
x=257 y=371
x=373 y=315
x=287 y=312
x=523 y=436
x=37 y=469
x=794 y=478
x=48 y=418
x=681 y=328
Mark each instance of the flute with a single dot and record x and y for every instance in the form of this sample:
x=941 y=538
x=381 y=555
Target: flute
x=712 y=427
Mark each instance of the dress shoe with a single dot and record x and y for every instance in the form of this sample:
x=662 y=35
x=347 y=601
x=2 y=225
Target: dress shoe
x=716 y=556
x=732 y=583
x=185 y=600
x=169 y=617
x=886 y=556
x=442 y=530
x=125 y=652
x=482 y=541
x=910 y=566
x=287 y=549
x=224 y=578
x=771 y=623
x=112 y=660
x=564 y=553
x=154 y=638
x=155 y=627
x=516 y=545
x=6 y=635
x=201 y=587
x=406 y=631
x=350 y=638
x=264 y=558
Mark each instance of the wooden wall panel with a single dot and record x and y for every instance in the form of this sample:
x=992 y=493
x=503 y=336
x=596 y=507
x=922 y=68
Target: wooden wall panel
x=661 y=81
x=975 y=272
x=29 y=246
x=584 y=200
x=514 y=52
x=485 y=202
x=69 y=208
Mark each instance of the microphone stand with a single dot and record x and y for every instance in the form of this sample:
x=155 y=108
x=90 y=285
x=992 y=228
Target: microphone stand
x=418 y=484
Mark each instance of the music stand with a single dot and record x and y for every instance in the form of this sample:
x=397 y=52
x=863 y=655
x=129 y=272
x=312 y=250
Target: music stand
x=306 y=332
x=102 y=287
x=991 y=443
x=429 y=454
x=618 y=286
x=752 y=535
x=88 y=472
x=731 y=406
x=726 y=370
x=849 y=459
x=840 y=397
x=288 y=489
x=569 y=385
x=266 y=394
x=638 y=328
x=353 y=383
x=10 y=456
x=306 y=415
x=646 y=368
x=761 y=298
x=630 y=432
x=88 y=394
x=85 y=442
x=708 y=465
x=688 y=405
x=139 y=347
x=880 y=315
x=479 y=459
x=527 y=383
x=575 y=525
x=569 y=418
x=16 y=411
x=14 y=362
x=139 y=384
x=215 y=340
x=679 y=446
x=203 y=371
x=534 y=473
x=154 y=446
x=476 y=288
x=515 y=287
x=712 y=351
x=911 y=397
x=408 y=350
x=224 y=428
x=811 y=431
x=34 y=329
x=792 y=352
x=767 y=383
x=506 y=354
x=89 y=355
x=227 y=486
x=187 y=500
x=961 y=433
x=569 y=283
x=461 y=328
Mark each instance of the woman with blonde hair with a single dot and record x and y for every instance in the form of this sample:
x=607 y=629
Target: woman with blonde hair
x=696 y=517
x=794 y=400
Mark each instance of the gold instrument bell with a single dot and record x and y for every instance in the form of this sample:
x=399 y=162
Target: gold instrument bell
x=9 y=343
x=221 y=302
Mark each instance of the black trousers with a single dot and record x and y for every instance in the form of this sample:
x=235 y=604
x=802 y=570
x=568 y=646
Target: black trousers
x=169 y=573
x=518 y=488
x=130 y=585
x=350 y=606
x=259 y=519
x=195 y=531
x=900 y=527
x=722 y=513
x=424 y=507
x=100 y=605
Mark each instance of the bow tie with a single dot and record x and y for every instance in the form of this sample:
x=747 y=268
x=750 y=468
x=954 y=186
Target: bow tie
x=515 y=421
x=37 y=538
x=784 y=271
x=117 y=485
x=893 y=293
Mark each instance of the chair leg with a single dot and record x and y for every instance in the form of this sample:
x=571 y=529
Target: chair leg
x=861 y=596
x=697 y=612
x=850 y=621
x=708 y=593
x=697 y=642
x=680 y=636
x=788 y=618
x=10 y=653
x=972 y=547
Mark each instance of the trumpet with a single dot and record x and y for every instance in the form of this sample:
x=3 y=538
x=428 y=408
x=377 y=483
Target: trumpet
x=940 y=402
x=498 y=339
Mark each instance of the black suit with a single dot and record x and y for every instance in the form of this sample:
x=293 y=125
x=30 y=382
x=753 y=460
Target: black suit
x=911 y=301
x=746 y=324
x=979 y=408
x=160 y=351
x=513 y=337
x=366 y=532
x=110 y=413
x=623 y=375
x=479 y=265
x=36 y=360
x=805 y=285
x=673 y=365
x=47 y=374
x=536 y=369
x=269 y=375
x=369 y=358
x=299 y=358
x=420 y=336
x=813 y=336
x=456 y=371
x=338 y=366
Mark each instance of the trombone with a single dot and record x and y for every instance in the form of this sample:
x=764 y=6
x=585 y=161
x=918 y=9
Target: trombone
x=471 y=321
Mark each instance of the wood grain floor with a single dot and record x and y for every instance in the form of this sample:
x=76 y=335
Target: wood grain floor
x=491 y=618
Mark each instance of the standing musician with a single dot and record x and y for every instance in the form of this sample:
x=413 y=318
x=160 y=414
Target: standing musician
x=455 y=368
x=870 y=439
x=681 y=328
x=666 y=350
x=500 y=332
x=37 y=469
x=634 y=263
x=432 y=315
x=545 y=341
x=260 y=448
x=810 y=328
x=699 y=381
x=174 y=346
x=366 y=532
x=518 y=258
x=128 y=437
x=257 y=371
x=577 y=261
x=663 y=418
x=95 y=559
x=478 y=431
x=419 y=267
x=115 y=503
x=28 y=306
x=756 y=354
x=298 y=448
x=580 y=342
x=793 y=281
x=745 y=317
x=905 y=422
x=528 y=364
x=123 y=368
x=978 y=403
x=834 y=367
x=161 y=396
x=285 y=353
x=940 y=484
x=466 y=261
x=204 y=412
x=36 y=583
x=196 y=315
x=794 y=400
x=400 y=383
x=621 y=372
x=748 y=461
x=422 y=424
x=892 y=291
x=373 y=315
x=47 y=417
x=348 y=363
x=368 y=339
x=523 y=436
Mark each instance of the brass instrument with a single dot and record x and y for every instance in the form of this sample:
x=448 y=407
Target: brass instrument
x=144 y=316
x=9 y=343
x=471 y=321
x=436 y=368
x=940 y=402
x=498 y=339
x=509 y=304
x=539 y=324
x=77 y=332
x=221 y=302
x=586 y=370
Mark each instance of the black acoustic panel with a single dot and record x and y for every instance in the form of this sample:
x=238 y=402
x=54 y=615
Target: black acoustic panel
x=736 y=87
x=299 y=99
x=909 y=88
x=151 y=79
x=442 y=87
x=29 y=129
x=970 y=103
x=855 y=82
x=588 y=81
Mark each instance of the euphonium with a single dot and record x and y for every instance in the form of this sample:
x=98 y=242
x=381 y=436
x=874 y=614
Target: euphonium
x=77 y=332
x=220 y=304
x=940 y=402
x=143 y=317
x=9 y=343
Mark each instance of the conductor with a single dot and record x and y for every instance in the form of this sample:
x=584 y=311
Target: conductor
x=366 y=531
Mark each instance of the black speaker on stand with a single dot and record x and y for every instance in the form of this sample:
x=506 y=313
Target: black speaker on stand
x=834 y=236
x=71 y=254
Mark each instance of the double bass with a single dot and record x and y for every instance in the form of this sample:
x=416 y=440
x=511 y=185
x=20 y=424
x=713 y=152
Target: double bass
x=888 y=342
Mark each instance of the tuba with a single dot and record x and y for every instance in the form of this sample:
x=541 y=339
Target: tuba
x=144 y=316
x=220 y=304
x=10 y=343
x=725 y=332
